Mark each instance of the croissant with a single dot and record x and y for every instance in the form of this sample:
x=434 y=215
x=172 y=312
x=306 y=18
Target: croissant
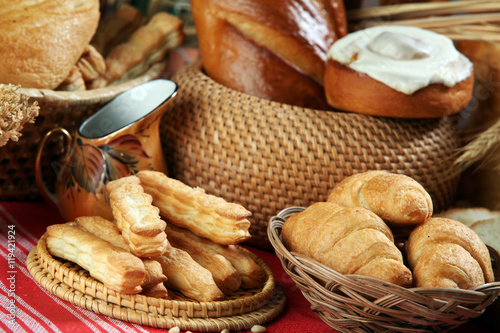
x=446 y=253
x=350 y=240
x=398 y=199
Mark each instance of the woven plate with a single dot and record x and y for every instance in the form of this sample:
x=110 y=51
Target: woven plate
x=268 y=156
x=354 y=303
x=239 y=302
x=240 y=311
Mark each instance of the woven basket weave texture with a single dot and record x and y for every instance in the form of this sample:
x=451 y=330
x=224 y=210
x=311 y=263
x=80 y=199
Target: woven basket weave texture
x=268 y=156
x=239 y=311
x=354 y=303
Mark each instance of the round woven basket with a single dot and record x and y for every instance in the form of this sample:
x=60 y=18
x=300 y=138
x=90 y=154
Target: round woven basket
x=268 y=156
x=354 y=303
x=57 y=109
x=240 y=310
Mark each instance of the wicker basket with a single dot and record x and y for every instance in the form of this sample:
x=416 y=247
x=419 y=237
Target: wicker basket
x=57 y=109
x=240 y=310
x=353 y=303
x=268 y=156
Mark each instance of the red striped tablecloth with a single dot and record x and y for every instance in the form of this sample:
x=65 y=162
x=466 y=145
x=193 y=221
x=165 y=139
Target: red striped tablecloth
x=26 y=307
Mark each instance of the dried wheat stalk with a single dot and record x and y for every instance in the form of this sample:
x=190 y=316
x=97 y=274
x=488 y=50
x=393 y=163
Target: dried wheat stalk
x=15 y=112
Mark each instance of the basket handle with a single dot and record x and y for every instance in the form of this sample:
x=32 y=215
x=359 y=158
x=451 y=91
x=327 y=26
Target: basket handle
x=47 y=195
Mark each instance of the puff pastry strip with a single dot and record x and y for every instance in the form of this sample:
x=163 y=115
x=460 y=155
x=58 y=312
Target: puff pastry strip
x=192 y=208
x=116 y=268
x=138 y=220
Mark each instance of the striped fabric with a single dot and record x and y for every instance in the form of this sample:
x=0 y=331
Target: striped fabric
x=26 y=307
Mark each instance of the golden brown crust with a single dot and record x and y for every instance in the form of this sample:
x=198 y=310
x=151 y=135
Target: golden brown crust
x=191 y=208
x=398 y=199
x=117 y=28
x=453 y=235
x=114 y=267
x=267 y=49
x=108 y=231
x=189 y=277
x=146 y=45
x=138 y=220
x=348 y=240
x=223 y=272
x=349 y=90
x=65 y=28
x=252 y=274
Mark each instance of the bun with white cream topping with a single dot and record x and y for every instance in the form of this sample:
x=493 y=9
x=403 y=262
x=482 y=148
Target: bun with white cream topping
x=398 y=71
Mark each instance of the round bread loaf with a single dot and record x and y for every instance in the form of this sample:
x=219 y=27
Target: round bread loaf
x=42 y=40
x=270 y=49
x=398 y=71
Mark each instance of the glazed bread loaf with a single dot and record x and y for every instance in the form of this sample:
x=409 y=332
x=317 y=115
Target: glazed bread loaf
x=270 y=49
x=348 y=240
x=398 y=199
x=398 y=71
x=446 y=253
x=42 y=40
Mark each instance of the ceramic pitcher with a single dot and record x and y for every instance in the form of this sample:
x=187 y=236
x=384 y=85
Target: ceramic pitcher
x=118 y=140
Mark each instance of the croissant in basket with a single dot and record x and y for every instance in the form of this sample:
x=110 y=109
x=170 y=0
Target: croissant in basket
x=446 y=253
x=349 y=240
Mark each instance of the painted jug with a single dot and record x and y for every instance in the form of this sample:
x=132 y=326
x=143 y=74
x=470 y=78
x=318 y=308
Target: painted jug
x=118 y=140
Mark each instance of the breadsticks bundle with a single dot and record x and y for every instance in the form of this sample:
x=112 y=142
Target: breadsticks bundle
x=165 y=256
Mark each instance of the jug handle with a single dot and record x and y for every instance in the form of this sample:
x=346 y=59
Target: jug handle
x=47 y=195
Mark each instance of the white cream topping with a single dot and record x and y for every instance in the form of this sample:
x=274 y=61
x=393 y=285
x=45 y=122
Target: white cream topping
x=404 y=58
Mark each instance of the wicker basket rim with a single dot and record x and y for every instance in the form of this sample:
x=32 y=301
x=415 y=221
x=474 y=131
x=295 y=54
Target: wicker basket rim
x=276 y=222
x=91 y=96
x=251 y=299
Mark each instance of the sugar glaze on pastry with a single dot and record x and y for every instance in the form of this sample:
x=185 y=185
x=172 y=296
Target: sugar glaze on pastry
x=402 y=57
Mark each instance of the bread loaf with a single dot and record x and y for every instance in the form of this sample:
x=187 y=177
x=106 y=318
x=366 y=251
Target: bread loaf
x=42 y=40
x=270 y=49
x=349 y=240
x=398 y=199
x=446 y=253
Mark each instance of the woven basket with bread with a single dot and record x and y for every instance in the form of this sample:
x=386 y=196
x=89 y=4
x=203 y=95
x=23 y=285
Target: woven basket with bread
x=377 y=259
x=69 y=59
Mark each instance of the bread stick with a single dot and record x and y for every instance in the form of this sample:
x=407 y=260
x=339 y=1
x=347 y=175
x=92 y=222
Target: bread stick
x=138 y=220
x=108 y=231
x=148 y=44
x=116 y=268
x=223 y=272
x=187 y=276
x=252 y=274
x=203 y=214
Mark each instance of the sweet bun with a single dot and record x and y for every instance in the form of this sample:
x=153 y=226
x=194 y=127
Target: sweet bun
x=398 y=71
x=43 y=40
x=270 y=49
